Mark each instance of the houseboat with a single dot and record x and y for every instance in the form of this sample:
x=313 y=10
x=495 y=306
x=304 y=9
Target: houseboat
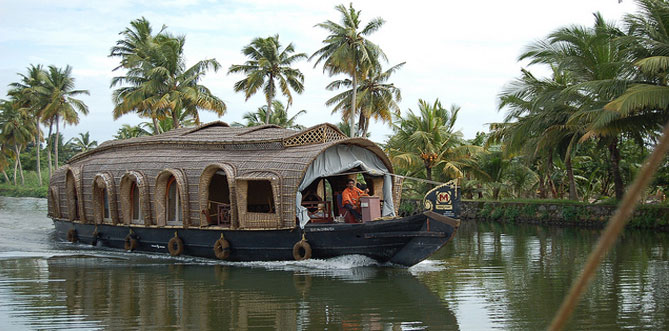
x=244 y=194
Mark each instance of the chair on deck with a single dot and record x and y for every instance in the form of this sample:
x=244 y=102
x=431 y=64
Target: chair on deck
x=348 y=217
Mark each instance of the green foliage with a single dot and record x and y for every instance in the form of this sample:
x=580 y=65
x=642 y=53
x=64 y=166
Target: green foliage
x=497 y=213
x=268 y=64
x=31 y=188
x=279 y=116
x=157 y=84
x=511 y=213
x=486 y=211
x=529 y=211
x=347 y=50
x=409 y=207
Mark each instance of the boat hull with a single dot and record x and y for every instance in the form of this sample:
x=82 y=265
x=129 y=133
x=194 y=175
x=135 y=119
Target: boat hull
x=403 y=241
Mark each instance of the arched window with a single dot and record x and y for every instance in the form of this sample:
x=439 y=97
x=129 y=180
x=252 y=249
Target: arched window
x=172 y=198
x=54 y=202
x=137 y=216
x=72 y=196
x=104 y=199
x=217 y=207
x=134 y=195
x=174 y=212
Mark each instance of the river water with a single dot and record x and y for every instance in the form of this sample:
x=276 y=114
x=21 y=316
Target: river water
x=491 y=276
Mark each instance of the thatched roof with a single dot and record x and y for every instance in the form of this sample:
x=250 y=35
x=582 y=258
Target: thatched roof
x=220 y=133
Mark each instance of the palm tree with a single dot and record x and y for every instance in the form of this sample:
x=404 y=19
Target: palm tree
x=17 y=131
x=127 y=131
x=428 y=138
x=269 y=63
x=28 y=92
x=648 y=37
x=347 y=50
x=536 y=124
x=376 y=98
x=279 y=117
x=82 y=143
x=137 y=45
x=5 y=156
x=158 y=82
x=61 y=101
x=598 y=65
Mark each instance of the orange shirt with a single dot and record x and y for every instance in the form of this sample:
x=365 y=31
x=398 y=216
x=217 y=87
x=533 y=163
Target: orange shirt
x=351 y=196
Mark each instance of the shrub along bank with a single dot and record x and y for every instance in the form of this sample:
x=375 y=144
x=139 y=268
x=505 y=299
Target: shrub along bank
x=571 y=213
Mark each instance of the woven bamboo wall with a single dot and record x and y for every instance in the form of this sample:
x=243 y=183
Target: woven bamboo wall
x=187 y=158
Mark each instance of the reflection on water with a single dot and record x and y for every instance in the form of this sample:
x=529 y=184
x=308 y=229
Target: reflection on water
x=491 y=276
x=92 y=292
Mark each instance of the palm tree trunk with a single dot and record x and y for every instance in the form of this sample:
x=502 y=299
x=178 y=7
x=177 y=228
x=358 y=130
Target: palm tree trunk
x=156 y=127
x=55 y=145
x=48 y=147
x=351 y=118
x=175 y=119
x=37 y=148
x=495 y=192
x=270 y=94
x=18 y=165
x=570 y=175
x=542 y=187
x=549 y=166
x=268 y=113
x=428 y=173
x=615 y=168
x=363 y=124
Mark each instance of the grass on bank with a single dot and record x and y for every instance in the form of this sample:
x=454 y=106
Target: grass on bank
x=31 y=188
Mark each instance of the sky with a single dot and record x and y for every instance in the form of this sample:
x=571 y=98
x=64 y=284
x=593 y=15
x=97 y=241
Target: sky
x=461 y=52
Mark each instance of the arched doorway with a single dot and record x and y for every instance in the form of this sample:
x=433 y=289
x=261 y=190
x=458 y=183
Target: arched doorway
x=216 y=192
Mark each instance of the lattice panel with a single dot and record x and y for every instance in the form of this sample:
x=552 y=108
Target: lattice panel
x=317 y=135
x=332 y=135
x=313 y=136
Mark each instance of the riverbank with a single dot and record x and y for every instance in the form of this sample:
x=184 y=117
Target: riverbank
x=648 y=216
x=30 y=187
x=9 y=190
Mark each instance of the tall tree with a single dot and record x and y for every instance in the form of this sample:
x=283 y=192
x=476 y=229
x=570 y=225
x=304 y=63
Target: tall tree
x=278 y=117
x=536 y=123
x=157 y=81
x=267 y=64
x=17 y=131
x=347 y=51
x=376 y=97
x=648 y=38
x=127 y=131
x=61 y=104
x=429 y=138
x=82 y=143
x=597 y=63
x=28 y=93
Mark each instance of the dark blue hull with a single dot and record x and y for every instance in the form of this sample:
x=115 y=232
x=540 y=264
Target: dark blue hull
x=404 y=241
